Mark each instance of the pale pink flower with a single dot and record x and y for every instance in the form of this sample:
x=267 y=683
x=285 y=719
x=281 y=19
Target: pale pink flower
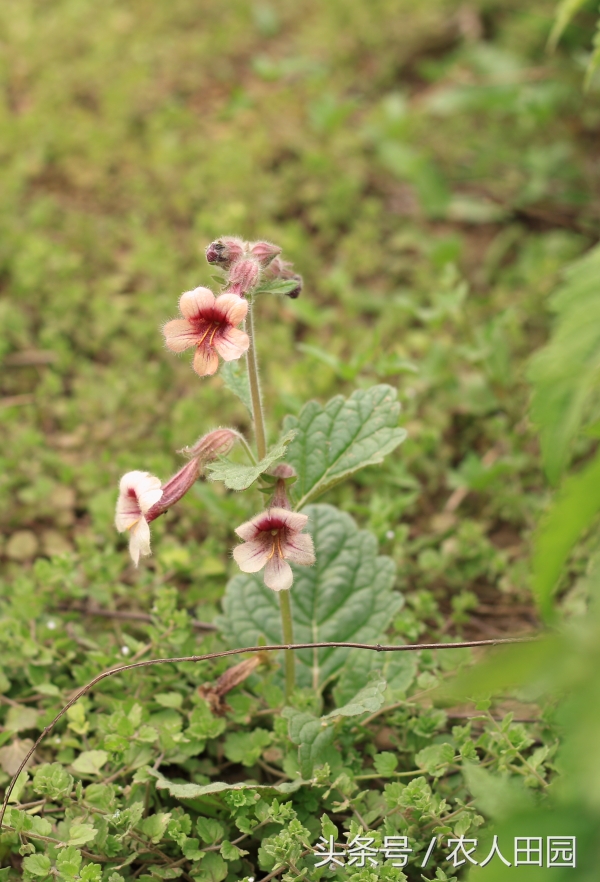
x=271 y=539
x=209 y=324
x=142 y=499
x=138 y=493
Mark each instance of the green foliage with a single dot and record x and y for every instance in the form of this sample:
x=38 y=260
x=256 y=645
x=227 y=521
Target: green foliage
x=334 y=441
x=240 y=477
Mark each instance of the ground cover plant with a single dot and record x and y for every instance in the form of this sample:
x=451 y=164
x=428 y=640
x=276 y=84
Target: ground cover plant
x=430 y=170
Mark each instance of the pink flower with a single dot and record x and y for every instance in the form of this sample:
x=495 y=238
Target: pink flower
x=138 y=493
x=271 y=539
x=142 y=499
x=209 y=324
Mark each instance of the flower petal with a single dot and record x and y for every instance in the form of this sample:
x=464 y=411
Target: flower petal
x=232 y=307
x=293 y=520
x=231 y=344
x=206 y=361
x=252 y=528
x=192 y=303
x=299 y=549
x=278 y=574
x=138 y=491
x=179 y=335
x=251 y=556
x=139 y=540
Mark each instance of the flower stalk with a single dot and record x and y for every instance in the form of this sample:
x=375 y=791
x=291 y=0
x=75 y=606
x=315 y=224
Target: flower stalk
x=285 y=607
x=257 y=408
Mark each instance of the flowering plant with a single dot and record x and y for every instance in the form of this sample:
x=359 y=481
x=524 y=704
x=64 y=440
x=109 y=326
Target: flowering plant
x=317 y=450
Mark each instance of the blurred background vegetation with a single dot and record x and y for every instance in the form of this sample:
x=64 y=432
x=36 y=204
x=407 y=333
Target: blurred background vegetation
x=430 y=168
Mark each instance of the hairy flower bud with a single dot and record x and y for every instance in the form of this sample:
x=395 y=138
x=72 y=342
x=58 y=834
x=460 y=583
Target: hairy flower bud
x=225 y=251
x=217 y=443
x=264 y=251
x=174 y=489
x=243 y=276
x=283 y=269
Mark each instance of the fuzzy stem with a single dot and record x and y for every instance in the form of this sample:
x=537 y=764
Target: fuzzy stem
x=288 y=637
x=257 y=409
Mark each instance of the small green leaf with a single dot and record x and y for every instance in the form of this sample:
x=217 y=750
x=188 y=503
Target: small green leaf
x=90 y=762
x=313 y=737
x=240 y=477
x=91 y=873
x=385 y=763
x=68 y=861
x=154 y=826
x=435 y=759
x=52 y=780
x=37 y=865
x=20 y=718
x=212 y=869
x=209 y=830
x=346 y=596
x=192 y=791
x=334 y=441
x=235 y=378
x=79 y=834
x=368 y=700
x=169 y=699
x=246 y=747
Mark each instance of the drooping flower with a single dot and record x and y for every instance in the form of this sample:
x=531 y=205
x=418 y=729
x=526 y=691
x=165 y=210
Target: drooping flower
x=271 y=539
x=209 y=324
x=142 y=499
x=138 y=492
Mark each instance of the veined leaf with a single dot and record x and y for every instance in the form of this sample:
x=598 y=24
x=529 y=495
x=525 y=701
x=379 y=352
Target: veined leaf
x=193 y=791
x=573 y=510
x=240 y=477
x=235 y=377
x=346 y=435
x=565 y=372
x=368 y=700
x=346 y=596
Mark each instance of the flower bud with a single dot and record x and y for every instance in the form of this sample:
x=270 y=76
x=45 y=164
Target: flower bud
x=225 y=251
x=243 y=276
x=283 y=470
x=283 y=269
x=264 y=252
x=174 y=489
x=217 y=443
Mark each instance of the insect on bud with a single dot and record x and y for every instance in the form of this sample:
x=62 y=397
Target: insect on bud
x=243 y=276
x=225 y=251
x=283 y=269
x=264 y=252
x=217 y=443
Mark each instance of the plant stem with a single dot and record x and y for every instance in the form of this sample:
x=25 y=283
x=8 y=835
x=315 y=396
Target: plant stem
x=257 y=410
x=288 y=637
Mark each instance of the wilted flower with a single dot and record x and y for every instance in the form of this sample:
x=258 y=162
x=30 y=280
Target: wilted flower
x=142 y=499
x=225 y=250
x=271 y=539
x=138 y=492
x=209 y=324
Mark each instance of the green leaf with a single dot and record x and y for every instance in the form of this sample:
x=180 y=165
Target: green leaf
x=235 y=377
x=496 y=795
x=564 y=373
x=566 y=11
x=398 y=668
x=79 y=834
x=346 y=435
x=434 y=759
x=90 y=762
x=209 y=830
x=20 y=718
x=313 y=737
x=212 y=869
x=52 y=780
x=68 y=861
x=368 y=700
x=91 y=873
x=346 y=596
x=37 y=864
x=192 y=791
x=573 y=510
x=246 y=747
x=154 y=826
x=240 y=477
x=385 y=763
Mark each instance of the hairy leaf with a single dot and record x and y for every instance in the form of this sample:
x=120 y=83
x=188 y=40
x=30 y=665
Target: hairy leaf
x=346 y=597
x=313 y=737
x=346 y=435
x=240 y=477
x=192 y=791
x=235 y=377
x=576 y=505
x=564 y=373
x=368 y=700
